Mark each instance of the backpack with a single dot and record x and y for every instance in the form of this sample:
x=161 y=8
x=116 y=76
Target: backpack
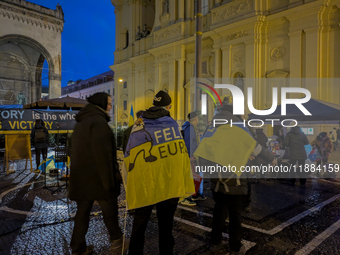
x=40 y=135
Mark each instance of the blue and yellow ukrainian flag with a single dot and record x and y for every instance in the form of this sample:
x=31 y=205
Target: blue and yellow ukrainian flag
x=47 y=164
x=157 y=162
x=227 y=145
x=131 y=118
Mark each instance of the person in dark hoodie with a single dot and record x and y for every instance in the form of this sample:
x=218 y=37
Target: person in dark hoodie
x=94 y=172
x=39 y=135
x=296 y=140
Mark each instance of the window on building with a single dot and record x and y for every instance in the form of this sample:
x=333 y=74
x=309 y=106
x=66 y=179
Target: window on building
x=113 y=92
x=125 y=85
x=82 y=97
x=108 y=91
x=126 y=39
x=86 y=97
x=125 y=105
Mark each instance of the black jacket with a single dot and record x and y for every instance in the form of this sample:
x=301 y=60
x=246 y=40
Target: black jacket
x=295 y=140
x=94 y=168
x=155 y=112
x=261 y=138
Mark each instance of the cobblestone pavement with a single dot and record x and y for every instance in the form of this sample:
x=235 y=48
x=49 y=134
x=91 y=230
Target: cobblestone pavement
x=284 y=219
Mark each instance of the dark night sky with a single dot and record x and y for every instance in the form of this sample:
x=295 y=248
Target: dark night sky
x=88 y=39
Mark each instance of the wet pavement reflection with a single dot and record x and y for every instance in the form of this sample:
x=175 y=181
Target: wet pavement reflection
x=284 y=219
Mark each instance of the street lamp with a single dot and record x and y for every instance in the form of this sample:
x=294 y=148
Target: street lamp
x=120 y=80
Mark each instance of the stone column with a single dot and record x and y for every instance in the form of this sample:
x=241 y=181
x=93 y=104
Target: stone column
x=189 y=10
x=173 y=87
x=180 y=91
x=118 y=12
x=181 y=9
x=218 y=63
x=54 y=85
x=295 y=54
x=158 y=70
x=173 y=11
x=312 y=61
x=158 y=13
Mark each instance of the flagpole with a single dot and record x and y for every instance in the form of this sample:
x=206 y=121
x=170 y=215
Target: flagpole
x=116 y=124
x=198 y=52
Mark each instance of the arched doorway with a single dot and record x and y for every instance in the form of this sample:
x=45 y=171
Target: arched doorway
x=23 y=61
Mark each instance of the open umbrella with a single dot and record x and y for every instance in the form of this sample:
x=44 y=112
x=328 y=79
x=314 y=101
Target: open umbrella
x=64 y=103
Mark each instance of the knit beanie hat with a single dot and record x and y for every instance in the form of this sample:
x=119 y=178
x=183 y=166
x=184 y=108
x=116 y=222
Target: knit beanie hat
x=99 y=99
x=162 y=99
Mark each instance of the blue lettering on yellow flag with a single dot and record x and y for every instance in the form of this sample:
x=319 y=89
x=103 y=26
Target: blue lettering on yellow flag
x=157 y=162
x=227 y=145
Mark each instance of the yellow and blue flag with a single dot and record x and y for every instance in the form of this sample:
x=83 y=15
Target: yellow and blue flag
x=227 y=145
x=49 y=163
x=131 y=118
x=157 y=162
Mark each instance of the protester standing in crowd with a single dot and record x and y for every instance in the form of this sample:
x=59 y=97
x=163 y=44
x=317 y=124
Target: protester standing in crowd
x=282 y=138
x=316 y=144
x=94 y=172
x=40 y=141
x=333 y=137
x=190 y=136
x=229 y=188
x=261 y=138
x=326 y=149
x=296 y=140
x=127 y=132
x=158 y=173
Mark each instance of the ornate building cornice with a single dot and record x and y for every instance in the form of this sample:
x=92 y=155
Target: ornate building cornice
x=231 y=10
x=33 y=14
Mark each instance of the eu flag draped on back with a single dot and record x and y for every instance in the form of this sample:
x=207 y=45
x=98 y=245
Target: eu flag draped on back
x=157 y=162
x=131 y=118
x=226 y=145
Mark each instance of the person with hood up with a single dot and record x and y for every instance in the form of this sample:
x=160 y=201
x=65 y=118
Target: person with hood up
x=296 y=140
x=94 y=172
x=39 y=135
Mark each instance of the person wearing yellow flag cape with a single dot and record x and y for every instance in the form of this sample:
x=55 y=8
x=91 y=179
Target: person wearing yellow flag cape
x=226 y=149
x=159 y=173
